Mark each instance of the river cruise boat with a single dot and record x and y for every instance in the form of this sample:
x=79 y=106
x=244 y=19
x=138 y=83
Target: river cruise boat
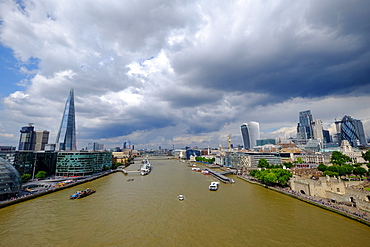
x=196 y=169
x=81 y=194
x=214 y=186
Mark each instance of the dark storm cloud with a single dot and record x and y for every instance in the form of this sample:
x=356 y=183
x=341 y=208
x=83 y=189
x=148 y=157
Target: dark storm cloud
x=161 y=71
x=331 y=57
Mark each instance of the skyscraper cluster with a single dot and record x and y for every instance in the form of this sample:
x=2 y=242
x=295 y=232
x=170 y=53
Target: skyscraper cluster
x=66 y=138
x=347 y=129
x=31 y=139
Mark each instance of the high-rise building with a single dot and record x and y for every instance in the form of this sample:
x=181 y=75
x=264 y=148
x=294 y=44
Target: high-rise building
x=40 y=140
x=304 y=128
x=250 y=134
x=32 y=140
x=351 y=130
x=26 y=139
x=326 y=135
x=66 y=138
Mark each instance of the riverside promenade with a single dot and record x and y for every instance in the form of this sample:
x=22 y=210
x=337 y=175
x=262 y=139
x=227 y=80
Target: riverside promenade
x=53 y=189
x=347 y=211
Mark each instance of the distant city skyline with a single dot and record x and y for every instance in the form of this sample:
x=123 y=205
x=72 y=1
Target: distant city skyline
x=176 y=81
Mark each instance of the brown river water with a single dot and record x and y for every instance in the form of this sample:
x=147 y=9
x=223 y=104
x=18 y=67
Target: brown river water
x=146 y=212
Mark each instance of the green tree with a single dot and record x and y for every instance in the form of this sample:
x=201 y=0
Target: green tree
x=348 y=168
x=366 y=156
x=330 y=173
x=115 y=165
x=333 y=168
x=25 y=177
x=359 y=171
x=322 y=167
x=288 y=164
x=263 y=163
x=339 y=159
x=270 y=178
x=41 y=175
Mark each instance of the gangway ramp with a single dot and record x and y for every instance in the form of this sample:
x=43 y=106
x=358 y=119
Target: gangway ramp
x=127 y=172
x=219 y=176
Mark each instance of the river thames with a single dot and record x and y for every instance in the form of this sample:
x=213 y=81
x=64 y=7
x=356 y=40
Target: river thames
x=146 y=212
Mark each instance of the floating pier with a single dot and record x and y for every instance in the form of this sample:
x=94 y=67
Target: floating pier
x=220 y=177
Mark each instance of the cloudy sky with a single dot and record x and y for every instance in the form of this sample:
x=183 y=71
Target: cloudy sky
x=172 y=73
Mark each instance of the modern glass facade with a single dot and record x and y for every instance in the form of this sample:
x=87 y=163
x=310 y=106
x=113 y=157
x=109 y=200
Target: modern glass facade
x=304 y=128
x=10 y=180
x=24 y=161
x=266 y=141
x=26 y=139
x=352 y=130
x=250 y=134
x=245 y=136
x=83 y=163
x=66 y=137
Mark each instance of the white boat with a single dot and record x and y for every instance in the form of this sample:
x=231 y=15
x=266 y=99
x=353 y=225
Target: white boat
x=145 y=168
x=181 y=197
x=214 y=185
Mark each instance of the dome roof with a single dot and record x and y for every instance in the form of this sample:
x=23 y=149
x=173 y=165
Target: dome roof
x=10 y=180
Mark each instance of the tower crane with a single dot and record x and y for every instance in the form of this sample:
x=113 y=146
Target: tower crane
x=228 y=137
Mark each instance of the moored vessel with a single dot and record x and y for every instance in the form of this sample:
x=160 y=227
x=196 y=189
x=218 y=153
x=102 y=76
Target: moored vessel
x=146 y=167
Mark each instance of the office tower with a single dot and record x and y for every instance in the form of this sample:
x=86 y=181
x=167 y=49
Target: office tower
x=317 y=129
x=351 y=130
x=304 y=128
x=326 y=136
x=26 y=139
x=41 y=138
x=250 y=134
x=66 y=138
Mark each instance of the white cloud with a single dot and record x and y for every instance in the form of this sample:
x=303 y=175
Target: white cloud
x=176 y=72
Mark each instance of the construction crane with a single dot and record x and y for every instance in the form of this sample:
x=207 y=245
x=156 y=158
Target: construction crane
x=228 y=137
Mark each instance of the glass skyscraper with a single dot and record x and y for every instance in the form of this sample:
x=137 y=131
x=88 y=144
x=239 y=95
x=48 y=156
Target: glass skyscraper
x=66 y=138
x=304 y=128
x=351 y=130
x=27 y=138
x=250 y=134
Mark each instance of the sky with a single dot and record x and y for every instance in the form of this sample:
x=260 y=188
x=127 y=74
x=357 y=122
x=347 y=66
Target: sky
x=176 y=73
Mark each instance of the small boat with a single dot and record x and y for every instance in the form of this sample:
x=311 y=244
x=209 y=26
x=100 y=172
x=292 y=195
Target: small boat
x=130 y=179
x=214 y=186
x=205 y=172
x=81 y=194
x=181 y=197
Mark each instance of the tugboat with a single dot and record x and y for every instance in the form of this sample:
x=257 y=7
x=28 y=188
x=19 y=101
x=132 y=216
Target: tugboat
x=81 y=194
x=214 y=186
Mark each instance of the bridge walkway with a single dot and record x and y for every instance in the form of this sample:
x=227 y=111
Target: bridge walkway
x=220 y=177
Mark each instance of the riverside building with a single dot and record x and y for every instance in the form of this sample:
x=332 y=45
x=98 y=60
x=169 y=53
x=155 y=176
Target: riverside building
x=82 y=163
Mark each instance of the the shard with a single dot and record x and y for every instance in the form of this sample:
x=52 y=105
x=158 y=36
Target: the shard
x=66 y=138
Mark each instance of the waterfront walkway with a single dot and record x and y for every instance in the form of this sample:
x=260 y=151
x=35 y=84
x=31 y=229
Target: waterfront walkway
x=348 y=211
x=48 y=190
